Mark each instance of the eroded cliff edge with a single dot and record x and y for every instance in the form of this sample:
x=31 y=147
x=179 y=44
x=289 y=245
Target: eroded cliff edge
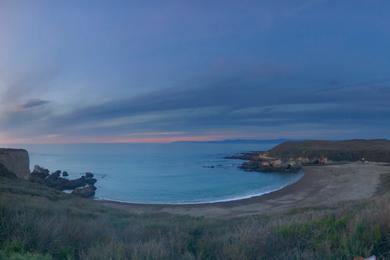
x=16 y=161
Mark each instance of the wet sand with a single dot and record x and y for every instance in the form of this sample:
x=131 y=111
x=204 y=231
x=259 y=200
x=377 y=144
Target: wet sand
x=320 y=186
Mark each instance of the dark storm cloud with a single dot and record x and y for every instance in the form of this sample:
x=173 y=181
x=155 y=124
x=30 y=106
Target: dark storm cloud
x=34 y=103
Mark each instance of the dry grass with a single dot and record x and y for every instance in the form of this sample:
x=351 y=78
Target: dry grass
x=39 y=223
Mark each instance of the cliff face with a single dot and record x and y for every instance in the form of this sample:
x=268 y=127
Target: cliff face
x=16 y=161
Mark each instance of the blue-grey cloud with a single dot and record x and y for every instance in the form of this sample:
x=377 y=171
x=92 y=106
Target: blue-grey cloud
x=194 y=67
x=227 y=105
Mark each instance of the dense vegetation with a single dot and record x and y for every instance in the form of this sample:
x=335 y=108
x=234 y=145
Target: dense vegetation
x=37 y=222
x=377 y=150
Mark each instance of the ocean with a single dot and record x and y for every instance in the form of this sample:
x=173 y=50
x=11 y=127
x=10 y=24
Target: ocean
x=162 y=173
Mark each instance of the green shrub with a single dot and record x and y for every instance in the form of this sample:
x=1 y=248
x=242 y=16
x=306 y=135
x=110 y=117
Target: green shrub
x=15 y=250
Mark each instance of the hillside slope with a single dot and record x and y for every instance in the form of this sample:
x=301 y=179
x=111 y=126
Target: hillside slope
x=41 y=223
x=350 y=150
x=37 y=222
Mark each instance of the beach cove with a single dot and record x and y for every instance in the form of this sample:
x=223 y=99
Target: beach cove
x=335 y=202
x=179 y=173
x=320 y=186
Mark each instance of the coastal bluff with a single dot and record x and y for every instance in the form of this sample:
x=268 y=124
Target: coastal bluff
x=16 y=161
x=376 y=150
x=291 y=156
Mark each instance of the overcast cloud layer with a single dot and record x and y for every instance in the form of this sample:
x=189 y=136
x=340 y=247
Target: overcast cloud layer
x=124 y=71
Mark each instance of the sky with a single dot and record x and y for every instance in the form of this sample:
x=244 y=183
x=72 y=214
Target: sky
x=163 y=71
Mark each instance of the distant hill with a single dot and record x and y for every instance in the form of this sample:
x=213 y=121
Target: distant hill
x=349 y=150
x=238 y=141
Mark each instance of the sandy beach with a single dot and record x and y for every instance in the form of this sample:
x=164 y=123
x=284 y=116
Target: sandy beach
x=320 y=186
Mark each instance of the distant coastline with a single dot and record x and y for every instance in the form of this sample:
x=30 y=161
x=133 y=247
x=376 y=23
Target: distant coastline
x=238 y=141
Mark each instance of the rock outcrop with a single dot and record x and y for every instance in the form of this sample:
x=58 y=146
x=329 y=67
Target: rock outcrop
x=271 y=165
x=264 y=162
x=39 y=174
x=83 y=186
x=16 y=161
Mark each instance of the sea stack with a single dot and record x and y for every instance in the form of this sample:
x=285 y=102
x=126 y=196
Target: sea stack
x=16 y=161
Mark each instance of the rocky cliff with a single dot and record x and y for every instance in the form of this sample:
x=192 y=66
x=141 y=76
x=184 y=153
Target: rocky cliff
x=16 y=161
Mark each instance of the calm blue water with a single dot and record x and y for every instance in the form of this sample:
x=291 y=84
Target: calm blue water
x=162 y=173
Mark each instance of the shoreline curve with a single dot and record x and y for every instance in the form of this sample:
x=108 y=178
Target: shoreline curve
x=319 y=186
x=206 y=202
